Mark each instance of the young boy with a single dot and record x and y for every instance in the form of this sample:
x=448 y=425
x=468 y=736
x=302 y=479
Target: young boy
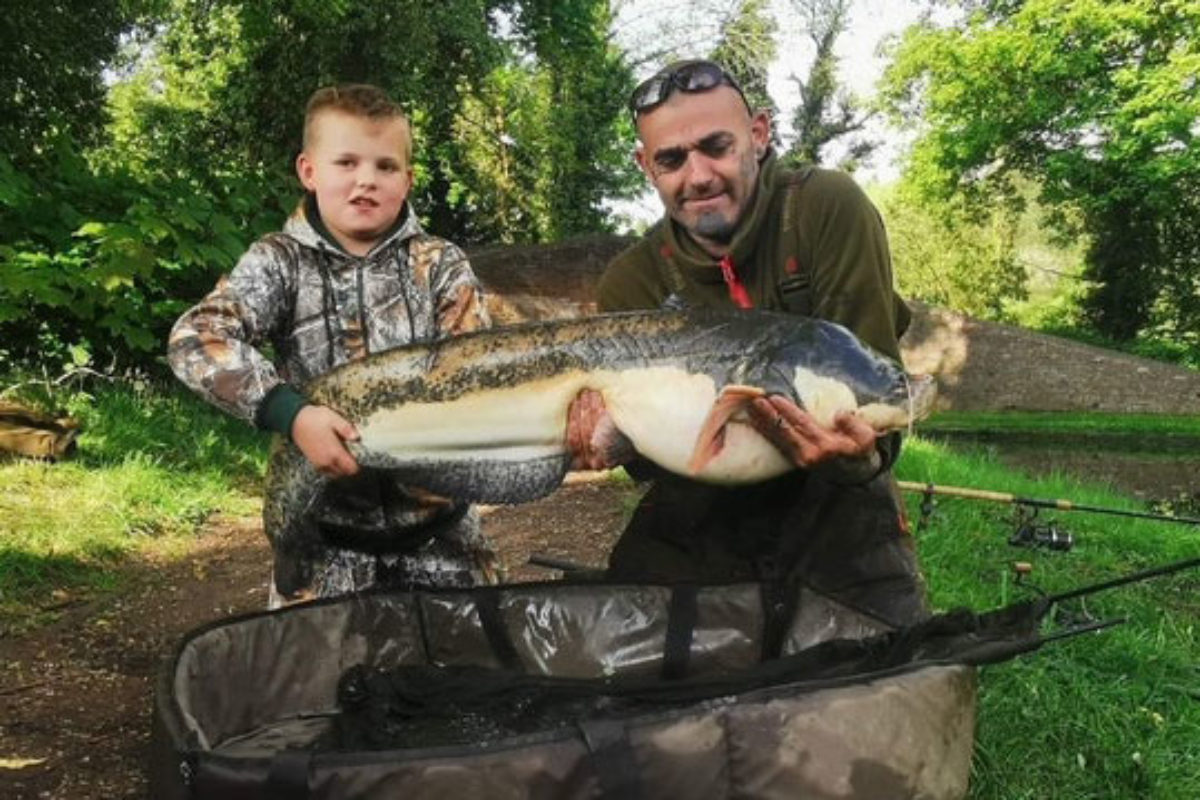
x=351 y=273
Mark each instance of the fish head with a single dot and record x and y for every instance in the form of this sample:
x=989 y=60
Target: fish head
x=911 y=401
x=826 y=372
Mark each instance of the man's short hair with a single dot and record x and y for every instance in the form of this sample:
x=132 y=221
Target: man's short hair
x=361 y=100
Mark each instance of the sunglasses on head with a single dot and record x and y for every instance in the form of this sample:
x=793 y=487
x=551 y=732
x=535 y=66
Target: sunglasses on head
x=690 y=77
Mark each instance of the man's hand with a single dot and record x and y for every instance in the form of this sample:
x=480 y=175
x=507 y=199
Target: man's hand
x=320 y=433
x=592 y=439
x=850 y=443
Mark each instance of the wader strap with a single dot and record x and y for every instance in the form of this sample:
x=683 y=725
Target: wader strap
x=612 y=757
x=488 y=606
x=288 y=777
x=681 y=626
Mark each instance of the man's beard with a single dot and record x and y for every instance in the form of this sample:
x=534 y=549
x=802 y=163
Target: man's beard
x=714 y=227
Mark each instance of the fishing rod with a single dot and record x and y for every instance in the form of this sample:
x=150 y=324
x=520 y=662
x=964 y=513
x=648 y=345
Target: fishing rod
x=1028 y=531
x=1034 y=502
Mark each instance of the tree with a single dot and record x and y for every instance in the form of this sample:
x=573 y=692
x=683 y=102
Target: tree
x=1098 y=102
x=51 y=73
x=825 y=112
x=951 y=256
x=587 y=135
x=747 y=49
x=134 y=207
x=450 y=64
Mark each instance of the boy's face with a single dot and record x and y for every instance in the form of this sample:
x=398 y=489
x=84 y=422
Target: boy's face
x=357 y=169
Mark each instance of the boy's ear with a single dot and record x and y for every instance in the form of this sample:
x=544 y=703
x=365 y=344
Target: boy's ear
x=304 y=171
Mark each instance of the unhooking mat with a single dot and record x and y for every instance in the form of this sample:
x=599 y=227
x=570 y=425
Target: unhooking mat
x=588 y=690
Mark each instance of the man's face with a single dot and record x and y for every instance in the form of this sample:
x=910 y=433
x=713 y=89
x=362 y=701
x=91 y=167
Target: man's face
x=701 y=152
x=357 y=168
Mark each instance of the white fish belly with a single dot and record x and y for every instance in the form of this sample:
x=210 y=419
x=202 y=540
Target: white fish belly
x=662 y=410
x=518 y=423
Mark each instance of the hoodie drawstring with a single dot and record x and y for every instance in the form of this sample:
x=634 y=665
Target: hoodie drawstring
x=328 y=300
x=362 y=312
x=737 y=290
x=400 y=258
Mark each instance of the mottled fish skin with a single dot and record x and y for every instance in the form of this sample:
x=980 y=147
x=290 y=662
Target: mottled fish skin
x=754 y=348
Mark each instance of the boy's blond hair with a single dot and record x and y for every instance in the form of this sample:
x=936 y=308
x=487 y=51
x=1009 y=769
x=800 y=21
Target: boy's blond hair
x=361 y=100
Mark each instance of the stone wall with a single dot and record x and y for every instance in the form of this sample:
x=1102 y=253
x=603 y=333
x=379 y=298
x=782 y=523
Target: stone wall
x=987 y=366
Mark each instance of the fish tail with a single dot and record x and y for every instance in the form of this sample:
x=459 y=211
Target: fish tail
x=293 y=489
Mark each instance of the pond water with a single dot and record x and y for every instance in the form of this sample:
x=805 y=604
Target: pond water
x=1164 y=471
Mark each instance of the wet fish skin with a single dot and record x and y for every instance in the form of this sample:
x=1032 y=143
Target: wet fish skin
x=482 y=417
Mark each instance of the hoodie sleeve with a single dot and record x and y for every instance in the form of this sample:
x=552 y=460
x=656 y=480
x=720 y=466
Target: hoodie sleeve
x=214 y=346
x=457 y=295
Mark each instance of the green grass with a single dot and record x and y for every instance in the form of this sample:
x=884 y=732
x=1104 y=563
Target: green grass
x=1062 y=423
x=1109 y=715
x=152 y=466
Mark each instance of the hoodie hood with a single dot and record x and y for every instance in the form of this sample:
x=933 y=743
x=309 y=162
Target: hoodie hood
x=306 y=226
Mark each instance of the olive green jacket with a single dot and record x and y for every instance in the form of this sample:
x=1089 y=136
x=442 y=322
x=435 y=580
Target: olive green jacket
x=812 y=244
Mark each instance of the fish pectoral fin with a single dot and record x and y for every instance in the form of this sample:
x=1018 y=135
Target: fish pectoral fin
x=732 y=399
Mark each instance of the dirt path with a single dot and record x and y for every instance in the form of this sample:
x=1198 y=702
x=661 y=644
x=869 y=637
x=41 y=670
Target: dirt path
x=76 y=696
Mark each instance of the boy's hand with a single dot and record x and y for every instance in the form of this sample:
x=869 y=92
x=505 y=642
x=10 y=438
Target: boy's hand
x=808 y=444
x=319 y=432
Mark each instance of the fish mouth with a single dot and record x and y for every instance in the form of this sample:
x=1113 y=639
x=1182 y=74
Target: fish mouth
x=732 y=401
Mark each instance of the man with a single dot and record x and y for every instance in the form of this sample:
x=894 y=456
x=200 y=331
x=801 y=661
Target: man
x=740 y=230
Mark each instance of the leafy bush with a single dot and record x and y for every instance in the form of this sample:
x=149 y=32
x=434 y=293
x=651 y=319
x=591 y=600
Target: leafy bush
x=96 y=257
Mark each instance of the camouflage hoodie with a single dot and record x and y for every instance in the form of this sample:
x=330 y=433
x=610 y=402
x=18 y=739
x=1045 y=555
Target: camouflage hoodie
x=316 y=307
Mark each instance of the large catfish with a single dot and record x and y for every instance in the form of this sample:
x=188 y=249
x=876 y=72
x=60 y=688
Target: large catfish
x=482 y=417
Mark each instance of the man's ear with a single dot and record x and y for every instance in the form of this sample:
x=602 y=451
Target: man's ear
x=639 y=156
x=760 y=132
x=305 y=170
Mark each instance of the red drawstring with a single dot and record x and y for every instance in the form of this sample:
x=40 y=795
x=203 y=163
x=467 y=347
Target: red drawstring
x=737 y=290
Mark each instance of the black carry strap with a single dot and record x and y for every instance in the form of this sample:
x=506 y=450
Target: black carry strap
x=611 y=754
x=779 y=601
x=288 y=776
x=794 y=282
x=488 y=606
x=681 y=627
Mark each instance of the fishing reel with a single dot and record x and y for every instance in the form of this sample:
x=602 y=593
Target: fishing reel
x=1030 y=532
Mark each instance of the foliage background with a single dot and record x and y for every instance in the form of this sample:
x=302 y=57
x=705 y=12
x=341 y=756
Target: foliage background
x=1053 y=179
